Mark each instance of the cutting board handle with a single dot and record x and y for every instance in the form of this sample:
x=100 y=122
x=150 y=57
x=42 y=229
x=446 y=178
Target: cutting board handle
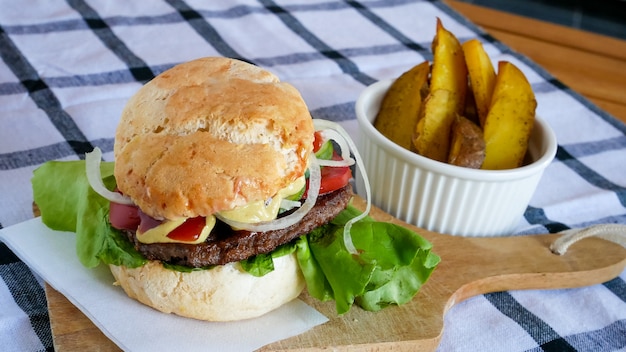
x=610 y=232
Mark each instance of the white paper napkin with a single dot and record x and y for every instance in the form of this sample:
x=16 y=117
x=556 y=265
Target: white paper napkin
x=131 y=325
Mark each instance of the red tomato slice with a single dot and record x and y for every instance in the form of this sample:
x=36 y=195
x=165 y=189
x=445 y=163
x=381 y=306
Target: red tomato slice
x=124 y=217
x=189 y=230
x=334 y=178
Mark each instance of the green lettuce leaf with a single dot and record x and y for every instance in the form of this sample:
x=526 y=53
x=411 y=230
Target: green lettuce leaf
x=262 y=264
x=392 y=265
x=67 y=203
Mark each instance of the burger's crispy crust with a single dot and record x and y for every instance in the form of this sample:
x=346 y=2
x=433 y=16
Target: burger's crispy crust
x=210 y=135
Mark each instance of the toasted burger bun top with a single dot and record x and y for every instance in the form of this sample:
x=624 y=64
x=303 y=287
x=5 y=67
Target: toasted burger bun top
x=210 y=135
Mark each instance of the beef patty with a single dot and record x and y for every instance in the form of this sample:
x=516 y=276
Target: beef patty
x=225 y=245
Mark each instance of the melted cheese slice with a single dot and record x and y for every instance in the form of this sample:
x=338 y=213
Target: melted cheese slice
x=259 y=211
x=252 y=212
x=159 y=233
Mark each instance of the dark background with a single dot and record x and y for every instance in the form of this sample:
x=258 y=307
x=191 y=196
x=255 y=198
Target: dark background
x=607 y=17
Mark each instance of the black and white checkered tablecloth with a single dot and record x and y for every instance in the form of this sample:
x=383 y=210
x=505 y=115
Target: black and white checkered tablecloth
x=69 y=66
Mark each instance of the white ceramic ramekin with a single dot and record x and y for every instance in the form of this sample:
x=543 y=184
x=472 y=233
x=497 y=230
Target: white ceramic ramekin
x=445 y=198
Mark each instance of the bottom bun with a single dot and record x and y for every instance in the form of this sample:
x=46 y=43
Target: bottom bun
x=223 y=293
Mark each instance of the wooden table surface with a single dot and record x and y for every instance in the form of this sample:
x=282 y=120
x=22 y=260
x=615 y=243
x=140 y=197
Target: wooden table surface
x=591 y=64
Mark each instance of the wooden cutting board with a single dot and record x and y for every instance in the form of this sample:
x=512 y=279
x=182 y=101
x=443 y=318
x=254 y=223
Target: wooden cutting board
x=469 y=267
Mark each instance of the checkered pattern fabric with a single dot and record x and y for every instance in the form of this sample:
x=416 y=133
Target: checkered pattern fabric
x=68 y=68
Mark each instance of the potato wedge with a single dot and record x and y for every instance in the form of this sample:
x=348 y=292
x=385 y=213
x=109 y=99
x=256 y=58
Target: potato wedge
x=467 y=146
x=400 y=108
x=432 y=133
x=510 y=120
x=449 y=71
x=482 y=76
x=446 y=98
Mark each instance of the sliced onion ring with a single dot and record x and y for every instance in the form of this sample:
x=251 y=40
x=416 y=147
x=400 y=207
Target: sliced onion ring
x=289 y=204
x=293 y=218
x=336 y=163
x=94 y=177
x=347 y=238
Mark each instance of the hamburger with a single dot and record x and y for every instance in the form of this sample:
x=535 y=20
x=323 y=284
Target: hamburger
x=208 y=144
x=226 y=199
